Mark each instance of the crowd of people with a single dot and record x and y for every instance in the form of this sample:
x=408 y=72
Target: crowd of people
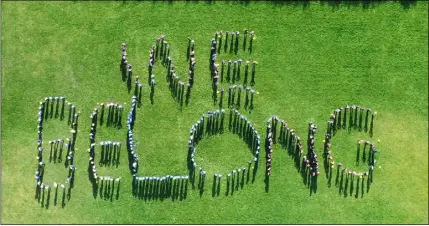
x=287 y=138
x=127 y=71
x=357 y=115
x=233 y=72
x=110 y=150
x=213 y=124
x=125 y=68
x=50 y=108
x=234 y=66
x=234 y=97
x=240 y=125
x=47 y=189
x=290 y=141
x=131 y=143
x=311 y=159
x=107 y=187
x=234 y=41
x=311 y=169
x=56 y=151
x=176 y=86
x=354 y=119
x=148 y=187
x=114 y=115
x=235 y=179
x=208 y=125
x=138 y=91
x=155 y=187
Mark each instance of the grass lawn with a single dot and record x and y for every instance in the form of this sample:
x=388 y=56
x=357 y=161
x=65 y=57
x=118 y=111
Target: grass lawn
x=311 y=59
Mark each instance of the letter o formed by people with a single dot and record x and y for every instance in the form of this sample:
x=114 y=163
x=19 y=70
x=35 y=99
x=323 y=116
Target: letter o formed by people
x=214 y=124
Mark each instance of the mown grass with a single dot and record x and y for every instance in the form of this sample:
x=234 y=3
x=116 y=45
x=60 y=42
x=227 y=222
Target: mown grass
x=310 y=60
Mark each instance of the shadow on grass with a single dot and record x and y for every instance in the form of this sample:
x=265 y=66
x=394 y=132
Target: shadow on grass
x=155 y=188
x=365 y=4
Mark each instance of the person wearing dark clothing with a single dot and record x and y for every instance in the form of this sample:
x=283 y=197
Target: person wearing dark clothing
x=245 y=34
x=152 y=88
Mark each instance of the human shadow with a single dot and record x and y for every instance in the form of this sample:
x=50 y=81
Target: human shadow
x=94 y=189
x=365 y=4
x=313 y=186
x=337 y=176
x=218 y=187
x=267 y=183
x=330 y=177
x=63 y=200
x=357 y=187
x=56 y=196
x=214 y=186
x=227 y=185
x=48 y=199
x=346 y=185
x=340 y=187
x=358 y=154
x=129 y=78
x=352 y=184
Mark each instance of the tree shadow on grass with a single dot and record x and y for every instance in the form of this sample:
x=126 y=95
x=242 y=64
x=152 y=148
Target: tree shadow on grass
x=365 y=4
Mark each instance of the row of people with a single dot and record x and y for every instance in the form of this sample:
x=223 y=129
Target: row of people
x=160 y=187
x=192 y=62
x=236 y=90
x=138 y=91
x=347 y=180
x=164 y=48
x=114 y=114
x=233 y=69
x=107 y=187
x=52 y=107
x=233 y=46
x=338 y=119
x=131 y=143
x=94 y=122
x=311 y=161
x=110 y=152
x=152 y=53
x=42 y=188
x=235 y=178
x=56 y=151
x=125 y=68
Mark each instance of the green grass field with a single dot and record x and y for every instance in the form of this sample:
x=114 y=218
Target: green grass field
x=311 y=60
